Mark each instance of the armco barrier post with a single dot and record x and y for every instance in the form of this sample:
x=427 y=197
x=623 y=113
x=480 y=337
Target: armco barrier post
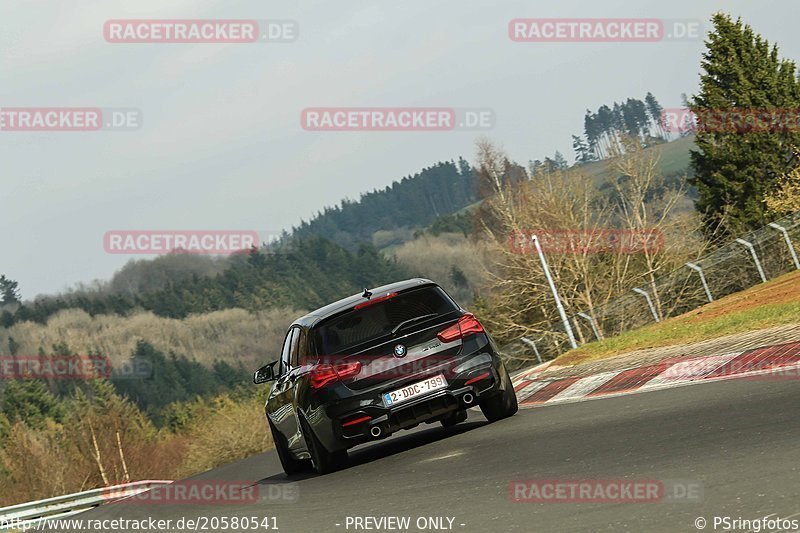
x=532 y=344
x=749 y=246
x=637 y=290
x=591 y=323
x=788 y=242
x=702 y=279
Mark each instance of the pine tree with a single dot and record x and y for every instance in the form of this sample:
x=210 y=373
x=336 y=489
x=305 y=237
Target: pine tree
x=590 y=129
x=29 y=401
x=13 y=345
x=583 y=153
x=655 y=111
x=559 y=162
x=9 y=292
x=734 y=169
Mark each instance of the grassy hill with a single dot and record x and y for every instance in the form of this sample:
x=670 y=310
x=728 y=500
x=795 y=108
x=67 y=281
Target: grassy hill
x=674 y=158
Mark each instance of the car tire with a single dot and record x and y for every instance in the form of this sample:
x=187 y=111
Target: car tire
x=454 y=418
x=290 y=464
x=501 y=405
x=323 y=461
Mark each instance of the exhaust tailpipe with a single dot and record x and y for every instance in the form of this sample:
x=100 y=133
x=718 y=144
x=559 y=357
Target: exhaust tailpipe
x=468 y=398
x=375 y=431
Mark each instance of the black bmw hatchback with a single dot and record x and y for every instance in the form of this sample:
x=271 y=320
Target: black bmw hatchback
x=375 y=363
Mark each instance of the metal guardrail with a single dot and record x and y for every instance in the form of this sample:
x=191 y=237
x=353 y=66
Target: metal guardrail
x=26 y=515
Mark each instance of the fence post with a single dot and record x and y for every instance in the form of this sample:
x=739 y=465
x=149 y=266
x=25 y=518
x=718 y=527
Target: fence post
x=749 y=246
x=702 y=279
x=552 y=284
x=649 y=302
x=788 y=242
x=593 y=324
x=532 y=344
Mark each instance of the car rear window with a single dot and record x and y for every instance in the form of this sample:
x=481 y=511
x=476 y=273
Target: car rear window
x=373 y=322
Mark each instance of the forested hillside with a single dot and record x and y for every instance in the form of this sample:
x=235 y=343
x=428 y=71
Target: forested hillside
x=415 y=201
x=301 y=273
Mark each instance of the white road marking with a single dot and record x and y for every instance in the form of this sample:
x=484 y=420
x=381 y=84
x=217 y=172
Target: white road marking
x=454 y=454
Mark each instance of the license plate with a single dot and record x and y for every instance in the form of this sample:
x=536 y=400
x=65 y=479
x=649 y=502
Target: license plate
x=415 y=390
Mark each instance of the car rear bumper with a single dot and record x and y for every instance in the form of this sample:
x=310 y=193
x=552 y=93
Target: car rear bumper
x=405 y=416
x=376 y=421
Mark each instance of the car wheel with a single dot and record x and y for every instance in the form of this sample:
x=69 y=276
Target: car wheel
x=454 y=418
x=290 y=464
x=502 y=405
x=323 y=461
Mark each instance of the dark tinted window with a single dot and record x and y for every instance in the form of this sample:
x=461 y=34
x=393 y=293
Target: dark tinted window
x=376 y=321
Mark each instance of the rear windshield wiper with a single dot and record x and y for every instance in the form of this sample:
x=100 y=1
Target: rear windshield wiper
x=410 y=321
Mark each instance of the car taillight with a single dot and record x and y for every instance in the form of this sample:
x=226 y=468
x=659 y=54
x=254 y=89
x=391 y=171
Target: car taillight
x=466 y=325
x=374 y=301
x=323 y=374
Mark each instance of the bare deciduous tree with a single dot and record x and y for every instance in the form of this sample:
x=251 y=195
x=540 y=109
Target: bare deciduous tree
x=588 y=274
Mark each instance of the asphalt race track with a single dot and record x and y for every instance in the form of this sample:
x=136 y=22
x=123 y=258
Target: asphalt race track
x=738 y=439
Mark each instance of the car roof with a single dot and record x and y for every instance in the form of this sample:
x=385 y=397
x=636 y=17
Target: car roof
x=347 y=303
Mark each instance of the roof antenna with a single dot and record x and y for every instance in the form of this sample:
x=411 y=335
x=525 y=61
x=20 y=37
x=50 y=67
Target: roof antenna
x=366 y=294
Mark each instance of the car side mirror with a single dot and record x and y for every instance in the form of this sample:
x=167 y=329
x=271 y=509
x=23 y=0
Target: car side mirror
x=265 y=374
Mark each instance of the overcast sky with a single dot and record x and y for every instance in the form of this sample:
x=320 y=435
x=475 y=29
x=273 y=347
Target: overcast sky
x=222 y=147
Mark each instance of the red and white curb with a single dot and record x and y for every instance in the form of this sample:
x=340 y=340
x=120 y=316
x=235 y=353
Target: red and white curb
x=778 y=362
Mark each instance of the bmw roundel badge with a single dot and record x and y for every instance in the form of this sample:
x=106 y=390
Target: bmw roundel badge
x=399 y=351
